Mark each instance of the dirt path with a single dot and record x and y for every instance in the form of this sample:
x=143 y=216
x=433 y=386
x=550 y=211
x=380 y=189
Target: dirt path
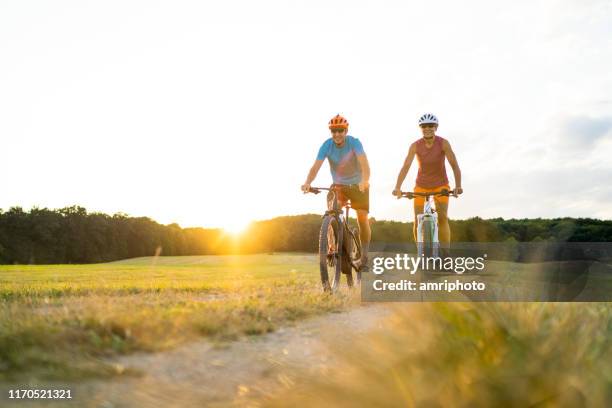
x=202 y=374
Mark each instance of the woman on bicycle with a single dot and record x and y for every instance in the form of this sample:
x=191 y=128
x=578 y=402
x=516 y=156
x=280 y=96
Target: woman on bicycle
x=350 y=169
x=431 y=151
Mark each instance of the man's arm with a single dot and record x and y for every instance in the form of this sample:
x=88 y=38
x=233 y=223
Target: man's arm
x=312 y=174
x=452 y=160
x=404 y=170
x=365 y=172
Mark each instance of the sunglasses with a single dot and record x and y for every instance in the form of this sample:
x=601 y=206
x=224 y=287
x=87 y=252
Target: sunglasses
x=428 y=125
x=338 y=130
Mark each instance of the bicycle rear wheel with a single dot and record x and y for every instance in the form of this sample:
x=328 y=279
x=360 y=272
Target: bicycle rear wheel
x=351 y=255
x=329 y=254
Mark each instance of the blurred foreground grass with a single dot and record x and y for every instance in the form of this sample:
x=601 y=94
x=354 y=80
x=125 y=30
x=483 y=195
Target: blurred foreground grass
x=470 y=355
x=56 y=321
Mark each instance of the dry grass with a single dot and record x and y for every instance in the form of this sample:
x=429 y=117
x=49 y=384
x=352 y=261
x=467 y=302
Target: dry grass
x=56 y=322
x=471 y=355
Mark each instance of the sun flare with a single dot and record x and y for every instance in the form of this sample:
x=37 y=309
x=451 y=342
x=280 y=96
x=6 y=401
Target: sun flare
x=236 y=226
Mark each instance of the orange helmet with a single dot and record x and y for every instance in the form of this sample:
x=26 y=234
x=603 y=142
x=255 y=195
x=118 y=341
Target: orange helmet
x=338 y=122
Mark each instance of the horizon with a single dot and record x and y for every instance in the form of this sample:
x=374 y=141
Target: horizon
x=243 y=228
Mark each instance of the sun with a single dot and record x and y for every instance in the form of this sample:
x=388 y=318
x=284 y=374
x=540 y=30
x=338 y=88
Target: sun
x=236 y=226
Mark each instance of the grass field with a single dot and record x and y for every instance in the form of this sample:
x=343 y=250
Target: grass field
x=56 y=321
x=59 y=322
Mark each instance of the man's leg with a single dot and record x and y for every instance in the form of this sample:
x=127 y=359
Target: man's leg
x=364 y=234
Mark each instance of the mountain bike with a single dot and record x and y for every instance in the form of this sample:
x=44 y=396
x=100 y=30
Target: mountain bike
x=339 y=243
x=428 y=245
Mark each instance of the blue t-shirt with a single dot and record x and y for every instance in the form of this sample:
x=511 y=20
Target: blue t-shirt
x=345 y=168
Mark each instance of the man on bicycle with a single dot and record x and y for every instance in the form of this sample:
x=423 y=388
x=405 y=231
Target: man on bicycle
x=350 y=170
x=431 y=151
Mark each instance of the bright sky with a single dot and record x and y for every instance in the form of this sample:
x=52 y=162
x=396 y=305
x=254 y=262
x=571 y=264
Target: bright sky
x=211 y=113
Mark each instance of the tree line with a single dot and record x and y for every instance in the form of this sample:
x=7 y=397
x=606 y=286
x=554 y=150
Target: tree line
x=73 y=235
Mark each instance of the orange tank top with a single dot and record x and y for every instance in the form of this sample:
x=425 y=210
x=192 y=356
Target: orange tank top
x=432 y=171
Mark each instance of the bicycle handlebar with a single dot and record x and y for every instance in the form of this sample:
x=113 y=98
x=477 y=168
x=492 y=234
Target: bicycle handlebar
x=411 y=194
x=317 y=190
x=408 y=194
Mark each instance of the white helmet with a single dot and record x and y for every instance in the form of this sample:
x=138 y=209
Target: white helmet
x=428 y=118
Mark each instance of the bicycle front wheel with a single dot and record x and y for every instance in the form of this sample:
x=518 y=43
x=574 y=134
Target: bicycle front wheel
x=428 y=245
x=428 y=236
x=329 y=254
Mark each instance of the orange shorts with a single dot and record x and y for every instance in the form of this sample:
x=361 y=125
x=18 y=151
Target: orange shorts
x=419 y=201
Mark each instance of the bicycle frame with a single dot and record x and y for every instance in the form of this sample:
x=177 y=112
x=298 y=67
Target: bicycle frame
x=341 y=217
x=427 y=222
x=428 y=219
x=336 y=213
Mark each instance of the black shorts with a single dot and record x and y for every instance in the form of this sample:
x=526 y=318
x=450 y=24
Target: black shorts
x=360 y=200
